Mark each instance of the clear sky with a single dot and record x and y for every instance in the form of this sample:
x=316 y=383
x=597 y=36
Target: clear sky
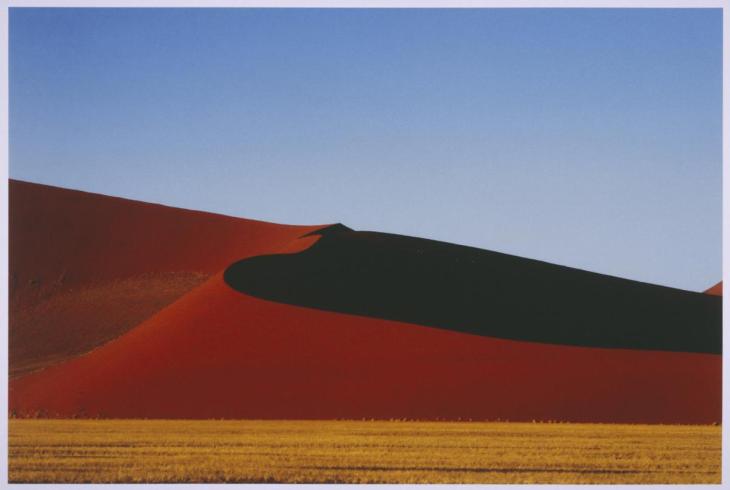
x=588 y=138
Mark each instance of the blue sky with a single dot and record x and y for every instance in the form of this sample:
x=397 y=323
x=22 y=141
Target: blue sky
x=589 y=138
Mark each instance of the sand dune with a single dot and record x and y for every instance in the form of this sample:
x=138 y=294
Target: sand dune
x=219 y=352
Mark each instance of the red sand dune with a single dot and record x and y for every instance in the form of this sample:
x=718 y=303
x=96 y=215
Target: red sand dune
x=218 y=353
x=715 y=290
x=84 y=268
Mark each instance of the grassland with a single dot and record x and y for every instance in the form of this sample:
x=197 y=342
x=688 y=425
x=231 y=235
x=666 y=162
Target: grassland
x=76 y=451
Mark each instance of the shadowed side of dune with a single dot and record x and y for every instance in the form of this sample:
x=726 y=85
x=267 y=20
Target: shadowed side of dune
x=480 y=292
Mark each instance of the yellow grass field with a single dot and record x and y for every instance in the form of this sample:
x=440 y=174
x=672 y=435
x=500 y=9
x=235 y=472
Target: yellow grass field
x=75 y=451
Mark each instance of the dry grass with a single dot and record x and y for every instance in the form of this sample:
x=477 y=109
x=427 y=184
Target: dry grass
x=359 y=452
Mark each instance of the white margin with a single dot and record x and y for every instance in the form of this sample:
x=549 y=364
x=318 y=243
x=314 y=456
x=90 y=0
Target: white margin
x=4 y=244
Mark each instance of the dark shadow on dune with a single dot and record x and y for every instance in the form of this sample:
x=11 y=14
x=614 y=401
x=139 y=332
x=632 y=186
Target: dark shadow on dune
x=480 y=292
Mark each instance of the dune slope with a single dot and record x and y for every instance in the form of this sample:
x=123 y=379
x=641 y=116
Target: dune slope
x=85 y=268
x=715 y=290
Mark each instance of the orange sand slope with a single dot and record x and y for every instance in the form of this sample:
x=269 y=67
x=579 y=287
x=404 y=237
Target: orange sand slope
x=715 y=290
x=85 y=268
